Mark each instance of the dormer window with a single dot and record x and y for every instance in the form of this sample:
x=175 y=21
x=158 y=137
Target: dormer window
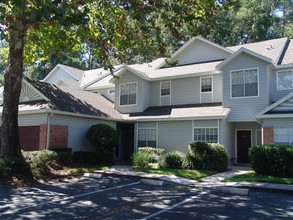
x=128 y=93
x=285 y=80
x=165 y=88
x=244 y=83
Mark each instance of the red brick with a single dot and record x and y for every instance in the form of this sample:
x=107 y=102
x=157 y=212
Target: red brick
x=268 y=135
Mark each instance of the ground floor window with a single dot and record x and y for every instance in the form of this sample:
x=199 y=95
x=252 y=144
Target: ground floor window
x=206 y=135
x=283 y=136
x=147 y=137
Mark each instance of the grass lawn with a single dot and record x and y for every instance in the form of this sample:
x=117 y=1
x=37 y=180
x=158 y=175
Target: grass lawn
x=81 y=170
x=189 y=174
x=252 y=177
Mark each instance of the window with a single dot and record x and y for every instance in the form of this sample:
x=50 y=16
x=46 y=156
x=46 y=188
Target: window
x=165 y=88
x=283 y=136
x=285 y=80
x=206 y=84
x=209 y=135
x=147 y=138
x=111 y=91
x=244 y=83
x=128 y=94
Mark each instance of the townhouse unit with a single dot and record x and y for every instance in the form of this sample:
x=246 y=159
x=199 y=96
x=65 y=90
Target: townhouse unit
x=237 y=96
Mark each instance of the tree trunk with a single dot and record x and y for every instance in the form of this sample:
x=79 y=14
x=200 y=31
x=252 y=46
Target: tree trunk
x=12 y=86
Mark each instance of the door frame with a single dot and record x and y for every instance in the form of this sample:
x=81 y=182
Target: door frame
x=236 y=147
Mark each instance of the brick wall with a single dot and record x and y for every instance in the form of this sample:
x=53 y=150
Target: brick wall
x=268 y=135
x=58 y=136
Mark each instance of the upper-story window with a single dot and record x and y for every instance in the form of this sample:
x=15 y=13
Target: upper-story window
x=244 y=83
x=111 y=91
x=165 y=88
x=128 y=93
x=285 y=79
x=206 y=84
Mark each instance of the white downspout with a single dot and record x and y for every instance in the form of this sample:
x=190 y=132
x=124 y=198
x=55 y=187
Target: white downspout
x=48 y=130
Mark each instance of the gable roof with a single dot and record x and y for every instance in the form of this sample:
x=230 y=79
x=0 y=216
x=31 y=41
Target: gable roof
x=74 y=72
x=69 y=82
x=283 y=107
x=70 y=100
x=287 y=58
x=124 y=70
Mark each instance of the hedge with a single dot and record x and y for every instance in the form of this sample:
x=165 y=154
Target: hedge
x=272 y=160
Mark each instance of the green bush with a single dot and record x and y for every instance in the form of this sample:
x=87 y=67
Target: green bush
x=172 y=160
x=104 y=139
x=40 y=161
x=151 y=150
x=188 y=161
x=83 y=157
x=9 y=166
x=63 y=155
x=142 y=159
x=272 y=160
x=208 y=156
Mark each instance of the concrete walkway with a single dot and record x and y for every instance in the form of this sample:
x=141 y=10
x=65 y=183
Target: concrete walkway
x=210 y=181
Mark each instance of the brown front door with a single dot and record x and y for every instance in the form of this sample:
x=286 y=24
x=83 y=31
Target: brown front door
x=243 y=145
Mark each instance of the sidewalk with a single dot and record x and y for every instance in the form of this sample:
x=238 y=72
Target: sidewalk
x=209 y=182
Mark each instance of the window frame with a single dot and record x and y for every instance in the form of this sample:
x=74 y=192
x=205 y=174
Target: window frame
x=277 y=81
x=290 y=135
x=136 y=93
x=206 y=77
x=155 y=132
x=205 y=128
x=167 y=81
x=238 y=70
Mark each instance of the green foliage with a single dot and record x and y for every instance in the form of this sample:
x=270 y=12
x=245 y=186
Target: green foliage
x=63 y=155
x=208 y=156
x=146 y=155
x=272 y=160
x=172 y=160
x=9 y=166
x=151 y=150
x=40 y=161
x=104 y=139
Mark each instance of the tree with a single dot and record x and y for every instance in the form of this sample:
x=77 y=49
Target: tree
x=116 y=29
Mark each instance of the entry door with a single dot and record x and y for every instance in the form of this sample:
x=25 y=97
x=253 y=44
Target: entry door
x=243 y=145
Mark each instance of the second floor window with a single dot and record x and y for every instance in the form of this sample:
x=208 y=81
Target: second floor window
x=165 y=88
x=128 y=94
x=244 y=83
x=206 y=84
x=285 y=80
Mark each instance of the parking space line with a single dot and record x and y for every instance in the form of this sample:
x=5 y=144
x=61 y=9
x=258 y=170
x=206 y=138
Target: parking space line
x=173 y=206
x=68 y=198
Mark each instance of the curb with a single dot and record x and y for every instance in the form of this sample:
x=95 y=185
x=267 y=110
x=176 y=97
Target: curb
x=234 y=190
x=152 y=182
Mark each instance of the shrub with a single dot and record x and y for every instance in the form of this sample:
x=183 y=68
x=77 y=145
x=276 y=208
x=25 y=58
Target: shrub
x=83 y=157
x=188 y=161
x=272 y=160
x=208 y=156
x=40 y=161
x=63 y=155
x=172 y=160
x=9 y=166
x=151 y=150
x=142 y=159
x=104 y=139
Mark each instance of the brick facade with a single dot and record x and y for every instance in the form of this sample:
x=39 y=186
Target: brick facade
x=268 y=135
x=58 y=136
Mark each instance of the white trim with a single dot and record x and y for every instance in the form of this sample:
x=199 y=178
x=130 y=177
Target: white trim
x=219 y=131
x=204 y=127
x=167 y=96
x=35 y=90
x=244 y=50
x=277 y=73
x=200 y=89
x=147 y=129
x=256 y=130
x=55 y=70
x=236 y=147
x=119 y=94
x=244 y=97
x=134 y=71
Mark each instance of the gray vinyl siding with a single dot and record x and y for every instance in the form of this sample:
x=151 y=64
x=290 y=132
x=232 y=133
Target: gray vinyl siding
x=77 y=128
x=275 y=93
x=104 y=92
x=32 y=119
x=185 y=91
x=174 y=135
x=245 y=108
x=278 y=122
x=146 y=125
x=155 y=93
x=60 y=73
x=228 y=138
x=145 y=95
x=217 y=88
x=200 y=52
x=141 y=100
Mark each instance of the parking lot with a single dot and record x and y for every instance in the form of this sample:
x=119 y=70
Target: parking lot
x=126 y=198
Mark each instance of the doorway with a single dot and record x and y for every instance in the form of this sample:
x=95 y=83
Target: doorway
x=243 y=144
x=125 y=149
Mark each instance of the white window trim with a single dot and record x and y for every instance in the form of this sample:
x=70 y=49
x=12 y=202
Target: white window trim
x=136 y=94
x=203 y=127
x=277 y=84
x=206 y=77
x=167 y=96
x=151 y=128
x=244 y=97
x=290 y=135
x=236 y=156
x=111 y=90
